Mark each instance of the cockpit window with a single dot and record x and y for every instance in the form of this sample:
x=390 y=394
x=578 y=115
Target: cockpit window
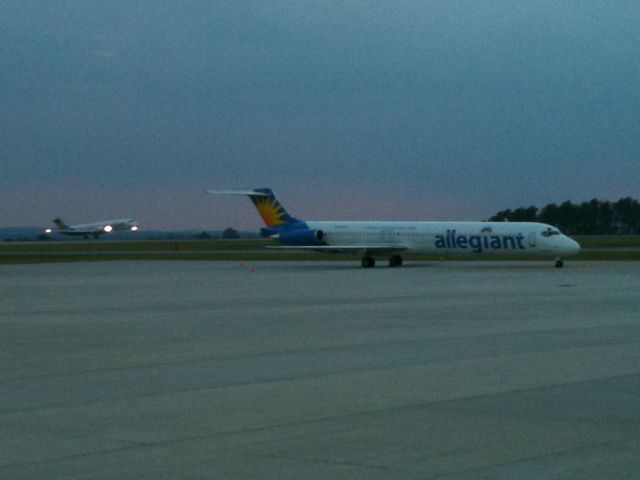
x=550 y=232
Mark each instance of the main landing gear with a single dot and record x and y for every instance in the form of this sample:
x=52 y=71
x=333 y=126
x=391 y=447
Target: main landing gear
x=559 y=263
x=368 y=261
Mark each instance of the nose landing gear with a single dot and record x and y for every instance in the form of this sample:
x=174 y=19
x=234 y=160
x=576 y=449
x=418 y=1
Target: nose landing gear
x=395 y=261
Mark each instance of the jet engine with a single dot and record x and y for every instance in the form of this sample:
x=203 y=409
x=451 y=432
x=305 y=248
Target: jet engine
x=302 y=237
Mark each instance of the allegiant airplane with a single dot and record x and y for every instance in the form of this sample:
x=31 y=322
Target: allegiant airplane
x=95 y=229
x=389 y=239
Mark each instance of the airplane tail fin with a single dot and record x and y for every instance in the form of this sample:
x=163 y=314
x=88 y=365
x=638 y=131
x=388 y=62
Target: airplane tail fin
x=274 y=215
x=59 y=223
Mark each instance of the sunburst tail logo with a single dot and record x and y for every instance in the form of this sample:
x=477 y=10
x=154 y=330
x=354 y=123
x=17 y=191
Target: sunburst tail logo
x=273 y=214
x=270 y=210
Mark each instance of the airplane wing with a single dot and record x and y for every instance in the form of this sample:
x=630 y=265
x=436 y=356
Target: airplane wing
x=382 y=249
x=87 y=231
x=83 y=231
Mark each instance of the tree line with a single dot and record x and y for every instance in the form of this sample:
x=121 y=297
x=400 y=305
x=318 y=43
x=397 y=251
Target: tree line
x=595 y=217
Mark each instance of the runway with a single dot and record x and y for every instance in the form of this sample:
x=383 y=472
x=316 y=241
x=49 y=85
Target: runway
x=315 y=370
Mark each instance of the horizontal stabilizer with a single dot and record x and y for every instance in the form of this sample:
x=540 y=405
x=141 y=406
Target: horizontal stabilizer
x=251 y=193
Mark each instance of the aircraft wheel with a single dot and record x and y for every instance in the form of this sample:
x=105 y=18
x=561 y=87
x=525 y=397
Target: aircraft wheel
x=559 y=263
x=368 y=262
x=395 y=261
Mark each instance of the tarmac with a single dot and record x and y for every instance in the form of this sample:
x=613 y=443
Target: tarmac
x=315 y=370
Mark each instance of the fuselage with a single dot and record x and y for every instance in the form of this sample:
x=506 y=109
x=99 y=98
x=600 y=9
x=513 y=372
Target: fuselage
x=504 y=238
x=99 y=228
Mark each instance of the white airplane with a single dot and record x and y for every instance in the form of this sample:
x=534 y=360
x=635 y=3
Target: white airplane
x=372 y=239
x=96 y=229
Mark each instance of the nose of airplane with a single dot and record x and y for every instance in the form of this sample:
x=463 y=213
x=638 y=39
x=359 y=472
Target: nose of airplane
x=571 y=246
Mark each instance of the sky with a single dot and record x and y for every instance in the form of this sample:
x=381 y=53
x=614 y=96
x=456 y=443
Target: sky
x=408 y=110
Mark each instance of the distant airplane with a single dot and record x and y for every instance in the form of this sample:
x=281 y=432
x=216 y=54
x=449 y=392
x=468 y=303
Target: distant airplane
x=96 y=229
x=372 y=239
